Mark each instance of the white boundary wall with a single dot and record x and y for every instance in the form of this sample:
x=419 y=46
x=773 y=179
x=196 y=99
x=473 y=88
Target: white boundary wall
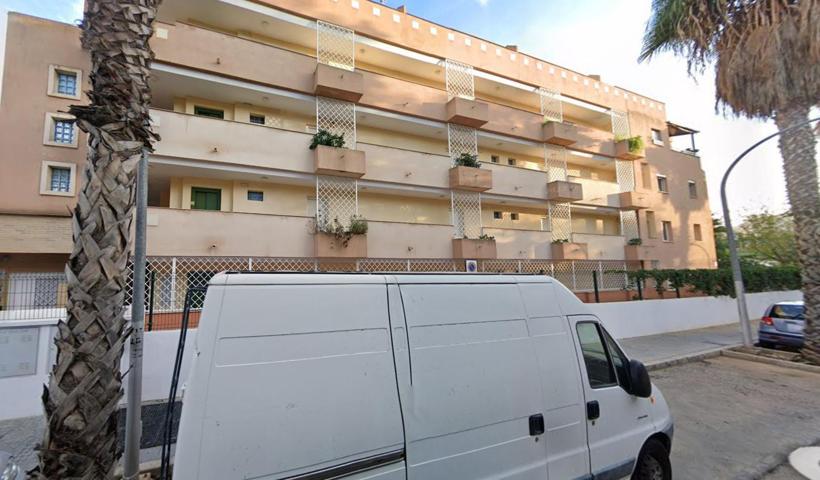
x=651 y=317
x=20 y=395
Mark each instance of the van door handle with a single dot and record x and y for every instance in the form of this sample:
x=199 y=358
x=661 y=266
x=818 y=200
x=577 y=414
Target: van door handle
x=536 y=424
x=593 y=410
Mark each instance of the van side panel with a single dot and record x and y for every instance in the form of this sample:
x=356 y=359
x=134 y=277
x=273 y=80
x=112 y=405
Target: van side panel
x=559 y=371
x=472 y=384
x=302 y=380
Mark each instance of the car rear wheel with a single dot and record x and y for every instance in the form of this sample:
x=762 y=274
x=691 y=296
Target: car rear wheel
x=766 y=344
x=653 y=463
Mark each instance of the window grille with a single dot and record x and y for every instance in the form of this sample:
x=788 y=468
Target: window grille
x=551 y=107
x=335 y=45
x=60 y=179
x=461 y=140
x=66 y=83
x=466 y=214
x=560 y=215
x=336 y=199
x=459 y=80
x=337 y=117
x=64 y=131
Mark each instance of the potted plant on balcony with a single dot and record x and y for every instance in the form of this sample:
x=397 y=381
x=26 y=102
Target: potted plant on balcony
x=482 y=247
x=636 y=250
x=467 y=174
x=564 y=249
x=634 y=241
x=332 y=158
x=629 y=148
x=333 y=239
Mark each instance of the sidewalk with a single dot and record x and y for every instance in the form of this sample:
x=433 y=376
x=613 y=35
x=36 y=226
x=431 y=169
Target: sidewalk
x=670 y=346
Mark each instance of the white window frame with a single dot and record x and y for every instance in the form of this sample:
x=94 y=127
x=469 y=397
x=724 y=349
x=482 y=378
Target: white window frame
x=667 y=235
x=692 y=184
x=53 y=71
x=658 y=179
x=48 y=130
x=659 y=140
x=45 y=178
x=260 y=115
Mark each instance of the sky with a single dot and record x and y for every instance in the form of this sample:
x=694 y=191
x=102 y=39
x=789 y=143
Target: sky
x=596 y=37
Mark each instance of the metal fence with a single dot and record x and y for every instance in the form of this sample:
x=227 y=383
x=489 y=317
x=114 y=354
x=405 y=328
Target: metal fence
x=31 y=296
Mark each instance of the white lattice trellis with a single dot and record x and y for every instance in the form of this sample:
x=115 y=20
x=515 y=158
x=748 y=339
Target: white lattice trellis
x=466 y=213
x=620 y=124
x=560 y=220
x=335 y=45
x=336 y=199
x=459 y=79
x=629 y=224
x=337 y=117
x=461 y=140
x=551 y=107
x=555 y=161
x=625 y=175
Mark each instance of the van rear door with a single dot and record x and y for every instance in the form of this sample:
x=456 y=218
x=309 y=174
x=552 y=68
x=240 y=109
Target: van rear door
x=293 y=381
x=469 y=383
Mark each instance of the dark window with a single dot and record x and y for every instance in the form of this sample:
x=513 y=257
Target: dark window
x=206 y=198
x=67 y=83
x=794 y=312
x=494 y=158
x=64 y=131
x=498 y=215
x=258 y=119
x=208 y=112
x=513 y=216
x=598 y=365
x=693 y=189
x=662 y=185
x=510 y=161
x=657 y=138
x=618 y=358
x=255 y=196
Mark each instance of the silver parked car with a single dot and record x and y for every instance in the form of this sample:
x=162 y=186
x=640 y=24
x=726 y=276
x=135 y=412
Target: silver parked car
x=782 y=324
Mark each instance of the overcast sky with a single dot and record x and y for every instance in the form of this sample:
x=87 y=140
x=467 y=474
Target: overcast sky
x=595 y=37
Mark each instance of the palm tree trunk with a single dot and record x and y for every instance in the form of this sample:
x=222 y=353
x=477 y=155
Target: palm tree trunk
x=85 y=384
x=798 y=150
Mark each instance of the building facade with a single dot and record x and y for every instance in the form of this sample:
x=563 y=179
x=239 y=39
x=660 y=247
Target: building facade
x=239 y=90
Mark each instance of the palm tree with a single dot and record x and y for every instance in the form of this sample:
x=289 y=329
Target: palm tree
x=85 y=384
x=766 y=55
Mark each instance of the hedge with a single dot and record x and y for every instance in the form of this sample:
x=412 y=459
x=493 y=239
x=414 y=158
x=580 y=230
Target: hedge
x=719 y=282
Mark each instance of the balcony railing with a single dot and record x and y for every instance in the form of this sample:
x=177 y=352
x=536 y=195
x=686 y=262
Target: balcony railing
x=598 y=192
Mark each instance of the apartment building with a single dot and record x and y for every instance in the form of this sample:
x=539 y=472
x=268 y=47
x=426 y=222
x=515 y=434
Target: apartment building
x=572 y=170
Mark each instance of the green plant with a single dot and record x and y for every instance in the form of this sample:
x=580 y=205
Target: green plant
x=634 y=241
x=484 y=236
x=718 y=282
x=559 y=241
x=358 y=226
x=468 y=160
x=323 y=137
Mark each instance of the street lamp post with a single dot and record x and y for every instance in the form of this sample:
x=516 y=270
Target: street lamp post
x=737 y=275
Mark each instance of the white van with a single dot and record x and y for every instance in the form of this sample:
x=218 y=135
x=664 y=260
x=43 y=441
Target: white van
x=419 y=377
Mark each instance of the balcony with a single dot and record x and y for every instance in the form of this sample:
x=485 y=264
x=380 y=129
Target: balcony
x=602 y=247
x=476 y=249
x=516 y=243
x=519 y=182
x=469 y=178
x=637 y=200
x=598 y=192
x=562 y=191
x=592 y=140
x=342 y=162
x=328 y=246
x=623 y=152
x=469 y=113
x=558 y=133
x=338 y=83
x=569 y=251
x=640 y=252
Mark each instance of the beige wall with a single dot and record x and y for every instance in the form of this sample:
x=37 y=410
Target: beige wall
x=33 y=44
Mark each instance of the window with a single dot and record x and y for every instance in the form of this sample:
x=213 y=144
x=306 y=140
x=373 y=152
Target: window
x=618 y=358
x=256 y=196
x=63 y=131
x=64 y=82
x=646 y=176
x=513 y=216
x=511 y=161
x=257 y=119
x=693 y=189
x=60 y=179
x=666 y=231
x=598 y=365
x=494 y=158
x=209 y=112
x=698 y=232
x=206 y=198
x=657 y=137
x=662 y=184
x=651 y=224
x=498 y=215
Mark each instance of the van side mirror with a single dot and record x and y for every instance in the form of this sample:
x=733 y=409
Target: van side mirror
x=639 y=383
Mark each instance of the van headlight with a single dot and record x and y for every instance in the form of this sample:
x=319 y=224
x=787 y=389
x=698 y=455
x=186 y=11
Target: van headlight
x=8 y=468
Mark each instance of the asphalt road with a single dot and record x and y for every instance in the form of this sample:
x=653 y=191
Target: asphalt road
x=739 y=419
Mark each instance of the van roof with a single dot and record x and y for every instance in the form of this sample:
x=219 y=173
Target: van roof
x=309 y=278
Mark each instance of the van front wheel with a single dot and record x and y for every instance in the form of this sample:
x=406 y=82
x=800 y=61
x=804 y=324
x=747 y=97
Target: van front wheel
x=653 y=463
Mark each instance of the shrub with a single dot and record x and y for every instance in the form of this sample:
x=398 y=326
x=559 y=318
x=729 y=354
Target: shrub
x=484 y=236
x=323 y=137
x=634 y=241
x=358 y=226
x=635 y=144
x=559 y=241
x=717 y=282
x=468 y=160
